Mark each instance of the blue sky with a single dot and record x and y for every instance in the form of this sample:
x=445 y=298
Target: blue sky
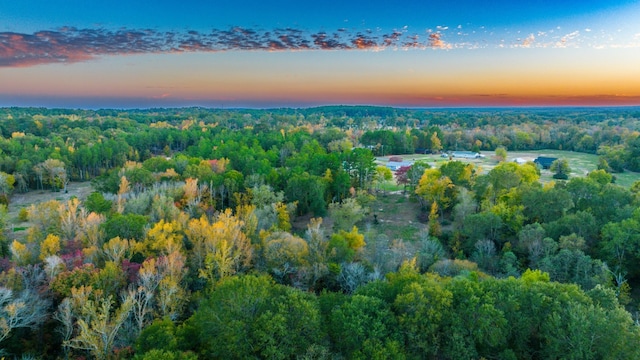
x=462 y=53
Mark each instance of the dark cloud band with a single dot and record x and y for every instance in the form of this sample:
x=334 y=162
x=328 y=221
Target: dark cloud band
x=69 y=45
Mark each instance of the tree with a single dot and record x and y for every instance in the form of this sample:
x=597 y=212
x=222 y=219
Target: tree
x=221 y=248
x=545 y=204
x=434 y=225
x=123 y=189
x=346 y=214
x=50 y=246
x=159 y=335
x=308 y=192
x=501 y=154
x=284 y=254
x=561 y=169
x=27 y=309
x=507 y=175
x=401 y=175
x=6 y=186
x=164 y=237
x=421 y=307
x=96 y=202
x=252 y=317
x=70 y=216
x=52 y=172
x=436 y=144
x=128 y=226
x=344 y=245
x=436 y=188
x=143 y=295
x=484 y=225
x=459 y=173
x=415 y=172
x=620 y=245
x=382 y=176
x=360 y=163
x=359 y=324
x=98 y=325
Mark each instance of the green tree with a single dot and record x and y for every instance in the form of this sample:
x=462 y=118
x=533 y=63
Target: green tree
x=561 y=169
x=251 y=317
x=421 y=307
x=160 y=335
x=501 y=154
x=360 y=324
x=128 y=226
x=346 y=214
x=620 y=245
x=360 y=164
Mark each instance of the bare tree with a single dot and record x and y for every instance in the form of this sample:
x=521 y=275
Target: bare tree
x=26 y=310
x=66 y=318
x=98 y=327
x=143 y=295
x=70 y=219
x=352 y=276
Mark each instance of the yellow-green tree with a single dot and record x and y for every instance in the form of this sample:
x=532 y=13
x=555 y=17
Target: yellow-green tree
x=49 y=246
x=222 y=248
x=164 y=237
x=434 y=187
x=284 y=254
x=436 y=144
x=434 y=224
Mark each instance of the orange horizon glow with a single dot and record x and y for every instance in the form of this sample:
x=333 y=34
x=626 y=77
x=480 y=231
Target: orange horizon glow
x=513 y=77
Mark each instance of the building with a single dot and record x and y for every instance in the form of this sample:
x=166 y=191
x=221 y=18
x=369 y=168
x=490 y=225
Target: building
x=544 y=161
x=395 y=165
x=466 y=155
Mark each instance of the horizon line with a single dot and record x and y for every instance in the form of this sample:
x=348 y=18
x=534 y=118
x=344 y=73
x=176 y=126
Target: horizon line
x=462 y=107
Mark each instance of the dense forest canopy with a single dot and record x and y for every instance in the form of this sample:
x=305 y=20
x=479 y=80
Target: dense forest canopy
x=233 y=233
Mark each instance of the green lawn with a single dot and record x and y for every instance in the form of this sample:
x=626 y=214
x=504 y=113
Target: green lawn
x=580 y=163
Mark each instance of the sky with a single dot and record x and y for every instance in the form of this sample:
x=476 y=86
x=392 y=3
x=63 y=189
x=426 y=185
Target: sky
x=263 y=54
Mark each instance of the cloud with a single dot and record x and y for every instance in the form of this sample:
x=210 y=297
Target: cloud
x=70 y=45
x=528 y=41
x=568 y=39
x=436 y=42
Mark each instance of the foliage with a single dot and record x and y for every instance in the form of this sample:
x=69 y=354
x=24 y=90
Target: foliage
x=561 y=169
x=251 y=316
x=189 y=201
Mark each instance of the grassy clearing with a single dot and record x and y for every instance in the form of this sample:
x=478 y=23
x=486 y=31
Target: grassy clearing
x=19 y=201
x=581 y=164
x=397 y=217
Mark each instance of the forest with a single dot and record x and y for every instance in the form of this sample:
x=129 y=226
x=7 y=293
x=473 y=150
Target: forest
x=270 y=234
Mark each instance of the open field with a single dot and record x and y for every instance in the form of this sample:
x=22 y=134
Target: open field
x=397 y=216
x=580 y=163
x=18 y=201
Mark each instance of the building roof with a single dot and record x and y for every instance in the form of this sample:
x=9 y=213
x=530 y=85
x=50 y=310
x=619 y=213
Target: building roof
x=545 y=161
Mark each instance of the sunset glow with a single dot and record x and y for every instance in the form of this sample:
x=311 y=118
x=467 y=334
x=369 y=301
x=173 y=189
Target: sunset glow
x=584 y=55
